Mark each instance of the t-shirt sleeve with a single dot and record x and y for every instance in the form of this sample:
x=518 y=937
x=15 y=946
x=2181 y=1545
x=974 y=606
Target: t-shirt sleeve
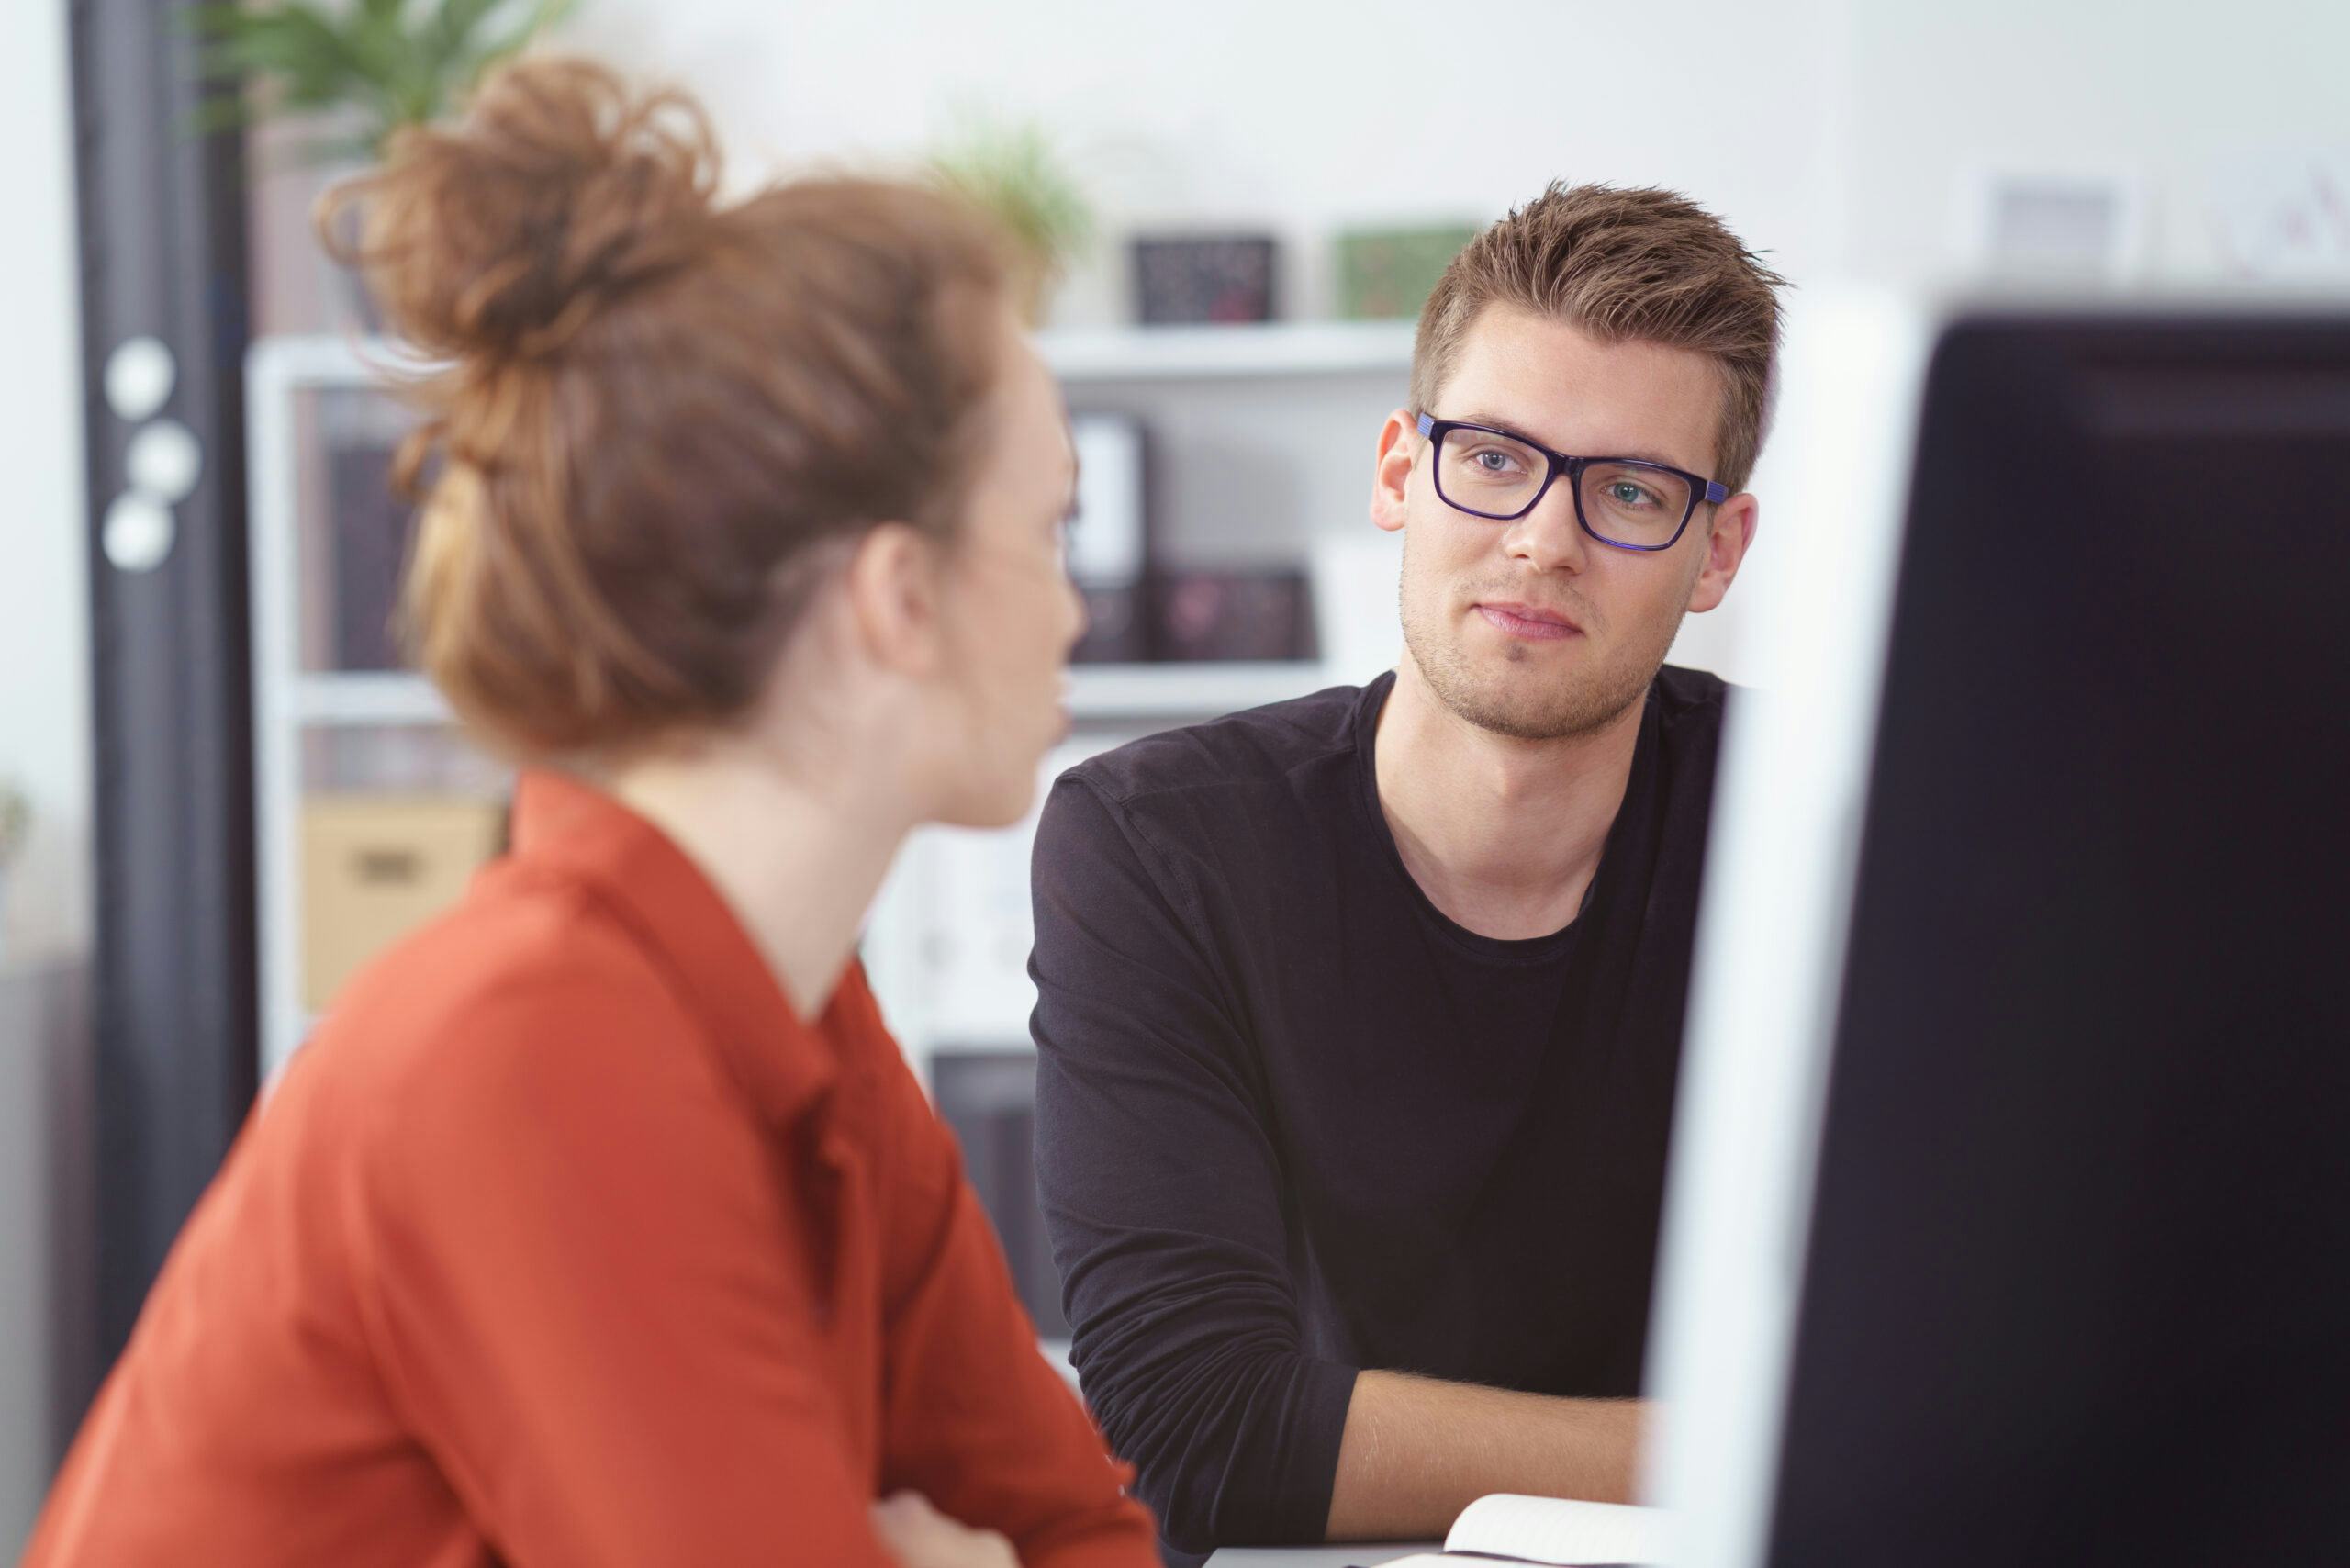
x=1162 y=1194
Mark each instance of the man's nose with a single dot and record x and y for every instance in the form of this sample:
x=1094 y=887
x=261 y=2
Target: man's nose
x=1548 y=538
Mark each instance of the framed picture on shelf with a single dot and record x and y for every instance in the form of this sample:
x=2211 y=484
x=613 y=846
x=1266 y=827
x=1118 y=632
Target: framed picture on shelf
x=1262 y=615
x=1194 y=280
x=1386 y=274
x=2053 y=225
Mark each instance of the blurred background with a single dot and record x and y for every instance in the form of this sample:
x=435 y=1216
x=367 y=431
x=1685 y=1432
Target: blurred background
x=218 y=793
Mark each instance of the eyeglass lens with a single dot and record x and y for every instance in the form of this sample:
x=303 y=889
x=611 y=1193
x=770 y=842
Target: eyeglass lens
x=1627 y=502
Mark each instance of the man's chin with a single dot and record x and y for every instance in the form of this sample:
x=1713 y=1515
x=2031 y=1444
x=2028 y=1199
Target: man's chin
x=1522 y=722
x=1521 y=700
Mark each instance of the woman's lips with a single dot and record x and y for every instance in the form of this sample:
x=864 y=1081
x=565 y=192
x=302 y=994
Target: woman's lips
x=1524 y=621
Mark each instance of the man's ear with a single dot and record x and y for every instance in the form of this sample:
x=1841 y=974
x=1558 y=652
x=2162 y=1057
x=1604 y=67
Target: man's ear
x=1399 y=448
x=895 y=600
x=1725 y=545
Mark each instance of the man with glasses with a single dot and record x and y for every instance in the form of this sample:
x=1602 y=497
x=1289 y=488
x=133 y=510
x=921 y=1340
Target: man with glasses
x=1358 y=1015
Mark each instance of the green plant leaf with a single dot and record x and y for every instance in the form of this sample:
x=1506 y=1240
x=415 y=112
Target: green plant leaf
x=380 y=57
x=310 y=42
x=1015 y=173
x=222 y=112
x=209 y=20
x=542 y=15
x=385 y=53
x=278 y=46
x=314 y=151
x=458 y=21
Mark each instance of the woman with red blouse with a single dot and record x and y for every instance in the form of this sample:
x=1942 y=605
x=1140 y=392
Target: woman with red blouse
x=602 y=1222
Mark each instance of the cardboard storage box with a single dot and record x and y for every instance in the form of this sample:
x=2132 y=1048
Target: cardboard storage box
x=377 y=867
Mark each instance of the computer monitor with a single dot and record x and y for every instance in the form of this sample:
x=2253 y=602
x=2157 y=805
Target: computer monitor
x=2009 y=1218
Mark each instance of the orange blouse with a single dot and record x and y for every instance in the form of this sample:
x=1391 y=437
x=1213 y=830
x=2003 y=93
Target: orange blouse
x=565 y=1242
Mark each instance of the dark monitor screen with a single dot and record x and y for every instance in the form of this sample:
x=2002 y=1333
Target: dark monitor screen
x=2077 y=1286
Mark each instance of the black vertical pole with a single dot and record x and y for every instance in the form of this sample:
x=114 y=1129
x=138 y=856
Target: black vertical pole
x=163 y=232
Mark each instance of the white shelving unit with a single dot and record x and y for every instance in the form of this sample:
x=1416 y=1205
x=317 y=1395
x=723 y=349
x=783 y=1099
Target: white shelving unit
x=292 y=701
x=1097 y=693
x=1277 y=349
x=1086 y=354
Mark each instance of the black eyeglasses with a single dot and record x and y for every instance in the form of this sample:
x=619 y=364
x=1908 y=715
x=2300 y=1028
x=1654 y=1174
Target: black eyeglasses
x=1627 y=502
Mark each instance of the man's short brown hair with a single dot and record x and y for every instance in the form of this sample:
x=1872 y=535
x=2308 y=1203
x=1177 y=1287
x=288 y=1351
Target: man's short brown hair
x=1644 y=265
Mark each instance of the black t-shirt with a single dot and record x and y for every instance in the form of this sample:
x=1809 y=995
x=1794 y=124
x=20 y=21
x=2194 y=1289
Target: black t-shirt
x=1292 y=1121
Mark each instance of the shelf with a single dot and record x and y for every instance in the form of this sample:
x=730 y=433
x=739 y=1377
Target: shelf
x=1273 y=348
x=283 y=361
x=1204 y=689
x=1099 y=353
x=334 y=729
x=368 y=697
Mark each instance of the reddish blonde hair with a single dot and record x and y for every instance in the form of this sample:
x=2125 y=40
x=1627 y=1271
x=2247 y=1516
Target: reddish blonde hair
x=1645 y=265
x=655 y=408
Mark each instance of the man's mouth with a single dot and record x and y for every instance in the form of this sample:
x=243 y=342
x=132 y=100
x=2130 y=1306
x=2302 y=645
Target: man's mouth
x=1529 y=620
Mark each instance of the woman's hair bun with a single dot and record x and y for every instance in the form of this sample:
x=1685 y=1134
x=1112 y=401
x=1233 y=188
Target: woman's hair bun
x=559 y=190
x=648 y=413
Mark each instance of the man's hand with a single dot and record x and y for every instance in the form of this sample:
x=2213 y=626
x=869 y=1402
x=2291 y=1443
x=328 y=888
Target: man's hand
x=919 y=1536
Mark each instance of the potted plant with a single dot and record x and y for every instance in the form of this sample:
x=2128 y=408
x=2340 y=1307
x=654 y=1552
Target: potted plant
x=353 y=71
x=1014 y=171
x=376 y=65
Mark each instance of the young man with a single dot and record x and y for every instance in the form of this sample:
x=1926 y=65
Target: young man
x=1360 y=1014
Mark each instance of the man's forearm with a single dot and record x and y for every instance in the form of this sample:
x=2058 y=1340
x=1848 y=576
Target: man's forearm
x=1415 y=1452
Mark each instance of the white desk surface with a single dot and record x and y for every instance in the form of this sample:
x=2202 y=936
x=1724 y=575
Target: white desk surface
x=1363 y=1552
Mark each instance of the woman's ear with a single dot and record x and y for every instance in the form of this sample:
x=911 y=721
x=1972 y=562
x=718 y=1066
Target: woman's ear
x=1390 y=472
x=896 y=599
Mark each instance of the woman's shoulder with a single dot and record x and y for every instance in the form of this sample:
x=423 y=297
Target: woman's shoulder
x=529 y=982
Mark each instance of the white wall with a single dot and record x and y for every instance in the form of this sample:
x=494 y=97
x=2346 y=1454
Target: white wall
x=1297 y=118
x=1841 y=137
x=1300 y=118
x=44 y=735
x=2188 y=99
x=44 y=595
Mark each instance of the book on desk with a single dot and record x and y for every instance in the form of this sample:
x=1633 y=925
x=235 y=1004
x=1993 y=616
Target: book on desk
x=1550 y=1530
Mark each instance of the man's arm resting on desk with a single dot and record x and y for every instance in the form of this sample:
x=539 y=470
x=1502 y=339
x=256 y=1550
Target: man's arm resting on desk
x=1416 y=1451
